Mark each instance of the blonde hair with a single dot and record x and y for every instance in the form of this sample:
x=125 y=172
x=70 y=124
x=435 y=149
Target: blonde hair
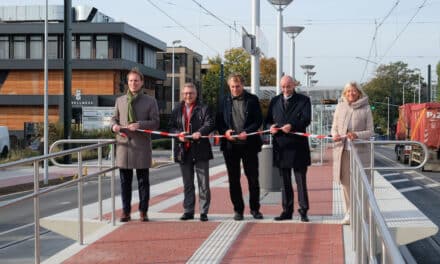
x=354 y=85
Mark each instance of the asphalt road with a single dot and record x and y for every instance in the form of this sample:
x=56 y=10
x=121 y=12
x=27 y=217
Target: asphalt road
x=422 y=188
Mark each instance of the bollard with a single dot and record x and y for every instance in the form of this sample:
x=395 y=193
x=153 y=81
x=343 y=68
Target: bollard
x=270 y=180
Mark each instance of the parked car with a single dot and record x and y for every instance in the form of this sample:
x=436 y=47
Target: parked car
x=4 y=141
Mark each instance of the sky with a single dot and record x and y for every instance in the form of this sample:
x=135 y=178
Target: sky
x=345 y=39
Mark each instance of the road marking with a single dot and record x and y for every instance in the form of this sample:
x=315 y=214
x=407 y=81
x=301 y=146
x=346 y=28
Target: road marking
x=15 y=229
x=432 y=185
x=390 y=174
x=399 y=180
x=410 y=189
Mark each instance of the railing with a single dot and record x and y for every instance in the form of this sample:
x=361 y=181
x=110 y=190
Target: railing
x=369 y=228
x=81 y=178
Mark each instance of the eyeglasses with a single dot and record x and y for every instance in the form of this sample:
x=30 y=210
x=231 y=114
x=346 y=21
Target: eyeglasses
x=187 y=94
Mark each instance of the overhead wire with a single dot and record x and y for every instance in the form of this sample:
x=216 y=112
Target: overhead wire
x=403 y=29
x=183 y=27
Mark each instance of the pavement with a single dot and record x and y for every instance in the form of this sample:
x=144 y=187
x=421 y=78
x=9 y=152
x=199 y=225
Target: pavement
x=166 y=239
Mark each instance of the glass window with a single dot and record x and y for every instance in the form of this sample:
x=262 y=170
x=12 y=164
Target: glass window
x=4 y=47
x=52 y=47
x=36 y=47
x=85 y=47
x=101 y=47
x=74 y=47
x=19 y=47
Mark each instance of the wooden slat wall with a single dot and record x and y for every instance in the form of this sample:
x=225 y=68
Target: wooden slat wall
x=14 y=117
x=32 y=82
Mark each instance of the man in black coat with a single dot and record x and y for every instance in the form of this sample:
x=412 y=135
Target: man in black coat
x=240 y=114
x=290 y=112
x=191 y=117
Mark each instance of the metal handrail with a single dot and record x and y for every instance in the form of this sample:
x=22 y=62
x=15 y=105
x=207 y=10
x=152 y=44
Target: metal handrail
x=78 y=141
x=368 y=225
x=37 y=193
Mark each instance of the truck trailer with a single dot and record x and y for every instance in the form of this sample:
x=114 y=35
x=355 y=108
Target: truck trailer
x=419 y=122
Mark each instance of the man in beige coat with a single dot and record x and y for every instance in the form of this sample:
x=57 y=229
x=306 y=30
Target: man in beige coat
x=352 y=120
x=133 y=111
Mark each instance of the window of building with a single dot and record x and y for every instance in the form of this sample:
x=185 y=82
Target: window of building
x=101 y=47
x=19 y=44
x=74 y=54
x=149 y=58
x=129 y=50
x=85 y=47
x=36 y=47
x=52 y=47
x=4 y=47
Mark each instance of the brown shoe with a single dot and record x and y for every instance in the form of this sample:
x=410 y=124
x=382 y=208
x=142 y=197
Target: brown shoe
x=125 y=217
x=143 y=216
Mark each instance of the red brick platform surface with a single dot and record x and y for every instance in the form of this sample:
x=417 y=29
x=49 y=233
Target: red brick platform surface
x=168 y=240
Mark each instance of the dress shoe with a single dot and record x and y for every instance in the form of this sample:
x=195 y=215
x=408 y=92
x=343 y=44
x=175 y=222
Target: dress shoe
x=303 y=215
x=125 y=217
x=238 y=216
x=187 y=216
x=143 y=217
x=257 y=215
x=283 y=216
x=203 y=217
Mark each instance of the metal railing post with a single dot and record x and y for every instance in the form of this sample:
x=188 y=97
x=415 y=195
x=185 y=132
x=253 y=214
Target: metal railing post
x=36 y=212
x=112 y=183
x=100 y=183
x=372 y=163
x=80 y=201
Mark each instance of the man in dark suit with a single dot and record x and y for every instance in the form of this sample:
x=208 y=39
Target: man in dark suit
x=240 y=114
x=290 y=112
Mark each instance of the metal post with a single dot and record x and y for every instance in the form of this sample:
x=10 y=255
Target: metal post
x=255 y=57
x=279 y=49
x=420 y=87
x=46 y=103
x=372 y=164
x=403 y=94
x=112 y=183
x=388 y=117
x=100 y=183
x=172 y=99
x=67 y=74
x=36 y=214
x=80 y=201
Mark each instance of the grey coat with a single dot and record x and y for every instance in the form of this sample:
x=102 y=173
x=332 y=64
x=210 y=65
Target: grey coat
x=134 y=150
x=362 y=124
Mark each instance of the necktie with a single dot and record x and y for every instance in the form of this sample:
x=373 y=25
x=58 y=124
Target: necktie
x=286 y=103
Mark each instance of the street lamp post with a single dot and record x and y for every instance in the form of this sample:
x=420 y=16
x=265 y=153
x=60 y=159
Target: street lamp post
x=419 y=86
x=280 y=5
x=388 y=117
x=172 y=91
x=292 y=32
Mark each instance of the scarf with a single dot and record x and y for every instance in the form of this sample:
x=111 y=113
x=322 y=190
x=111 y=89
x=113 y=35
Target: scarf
x=130 y=100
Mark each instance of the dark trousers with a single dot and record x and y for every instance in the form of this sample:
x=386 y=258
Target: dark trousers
x=250 y=164
x=202 y=171
x=126 y=176
x=287 y=190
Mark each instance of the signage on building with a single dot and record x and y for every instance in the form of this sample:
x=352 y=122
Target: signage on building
x=79 y=100
x=95 y=117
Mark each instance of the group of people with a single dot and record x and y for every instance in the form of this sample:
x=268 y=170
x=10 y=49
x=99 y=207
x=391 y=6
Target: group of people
x=238 y=117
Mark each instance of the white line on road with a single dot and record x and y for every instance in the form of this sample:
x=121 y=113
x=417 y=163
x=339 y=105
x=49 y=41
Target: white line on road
x=410 y=189
x=399 y=180
x=15 y=229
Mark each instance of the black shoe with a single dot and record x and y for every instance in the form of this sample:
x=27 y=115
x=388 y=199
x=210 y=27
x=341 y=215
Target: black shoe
x=187 y=216
x=238 y=216
x=257 y=214
x=125 y=217
x=303 y=215
x=203 y=217
x=143 y=216
x=283 y=216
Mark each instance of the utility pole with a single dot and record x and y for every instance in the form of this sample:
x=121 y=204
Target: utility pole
x=67 y=73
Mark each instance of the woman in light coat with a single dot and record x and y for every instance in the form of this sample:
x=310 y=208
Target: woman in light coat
x=352 y=120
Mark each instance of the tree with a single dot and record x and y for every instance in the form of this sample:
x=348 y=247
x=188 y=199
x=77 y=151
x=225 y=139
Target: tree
x=391 y=81
x=268 y=70
x=211 y=82
x=239 y=61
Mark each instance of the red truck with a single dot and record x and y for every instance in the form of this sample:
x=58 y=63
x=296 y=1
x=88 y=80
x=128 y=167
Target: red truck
x=419 y=122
